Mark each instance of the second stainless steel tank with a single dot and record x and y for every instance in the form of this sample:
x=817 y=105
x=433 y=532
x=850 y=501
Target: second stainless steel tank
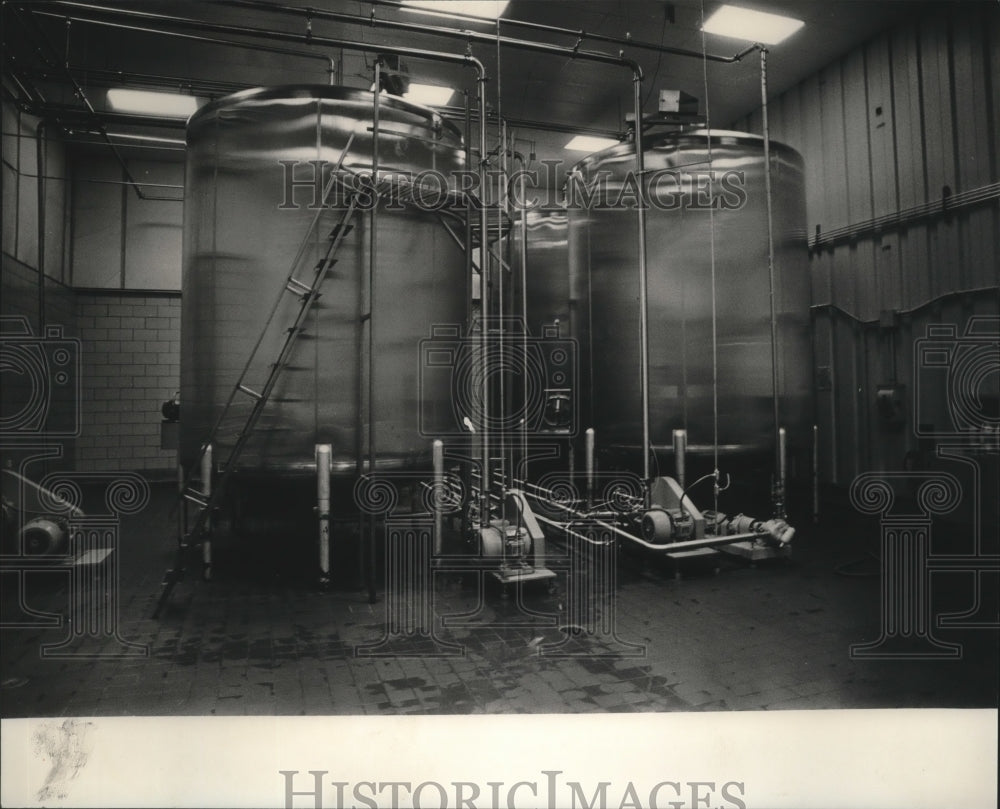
x=684 y=237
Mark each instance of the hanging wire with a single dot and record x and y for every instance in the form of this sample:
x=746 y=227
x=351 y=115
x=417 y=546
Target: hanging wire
x=711 y=252
x=659 y=57
x=499 y=275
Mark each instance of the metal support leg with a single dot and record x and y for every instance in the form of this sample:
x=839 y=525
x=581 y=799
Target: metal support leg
x=781 y=474
x=815 y=473
x=590 y=466
x=680 y=456
x=206 y=487
x=323 y=455
x=438 y=460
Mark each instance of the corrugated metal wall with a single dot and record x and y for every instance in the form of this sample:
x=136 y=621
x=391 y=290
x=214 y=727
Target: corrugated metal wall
x=24 y=143
x=120 y=241
x=910 y=119
x=35 y=301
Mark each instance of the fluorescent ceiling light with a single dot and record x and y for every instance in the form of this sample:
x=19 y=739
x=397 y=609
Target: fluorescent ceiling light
x=146 y=138
x=750 y=25
x=168 y=105
x=487 y=9
x=432 y=95
x=588 y=143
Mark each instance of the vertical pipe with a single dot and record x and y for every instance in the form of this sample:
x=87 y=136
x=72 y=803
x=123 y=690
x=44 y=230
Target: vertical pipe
x=437 y=453
x=782 y=456
x=206 y=489
x=41 y=172
x=501 y=288
x=372 y=263
x=815 y=460
x=589 y=461
x=524 y=319
x=182 y=511
x=780 y=507
x=643 y=314
x=572 y=464
x=469 y=263
x=680 y=456
x=485 y=481
x=469 y=266
x=324 y=453
x=770 y=244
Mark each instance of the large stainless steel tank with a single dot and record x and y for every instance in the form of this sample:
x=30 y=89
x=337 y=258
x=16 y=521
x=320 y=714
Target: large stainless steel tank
x=241 y=234
x=550 y=297
x=679 y=244
x=555 y=301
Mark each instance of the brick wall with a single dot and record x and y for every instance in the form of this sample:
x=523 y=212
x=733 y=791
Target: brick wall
x=131 y=365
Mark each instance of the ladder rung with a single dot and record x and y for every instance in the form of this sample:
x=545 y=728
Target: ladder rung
x=196 y=498
x=250 y=392
x=324 y=264
x=296 y=286
x=337 y=229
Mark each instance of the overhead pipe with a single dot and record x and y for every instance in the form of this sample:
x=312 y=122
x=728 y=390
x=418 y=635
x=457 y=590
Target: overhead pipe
x=310 y=38
x=331 y=62
x=14 y=72
x=67 y=114
x=79 y=91
x=46 y=6
x=372 y=20
x=456 y=113
x=210 y=88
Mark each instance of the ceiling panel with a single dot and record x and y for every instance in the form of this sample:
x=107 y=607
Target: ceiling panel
x=564 y=90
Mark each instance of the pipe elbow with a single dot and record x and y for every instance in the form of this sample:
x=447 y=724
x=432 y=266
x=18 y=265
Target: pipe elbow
x=476 y=63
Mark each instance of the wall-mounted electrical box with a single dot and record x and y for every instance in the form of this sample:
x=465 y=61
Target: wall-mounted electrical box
x=890 y=403
x=677 y=101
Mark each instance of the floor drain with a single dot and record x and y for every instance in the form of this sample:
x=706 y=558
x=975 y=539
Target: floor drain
x=13 y=682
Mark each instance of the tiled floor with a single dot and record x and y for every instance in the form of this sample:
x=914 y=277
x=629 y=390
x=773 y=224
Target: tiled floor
x=774 y=636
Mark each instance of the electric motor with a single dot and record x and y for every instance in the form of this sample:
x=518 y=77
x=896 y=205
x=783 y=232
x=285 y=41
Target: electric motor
x=43 y=537
x=660 y=525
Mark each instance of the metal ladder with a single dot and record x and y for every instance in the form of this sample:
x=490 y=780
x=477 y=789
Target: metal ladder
x=308 y=294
